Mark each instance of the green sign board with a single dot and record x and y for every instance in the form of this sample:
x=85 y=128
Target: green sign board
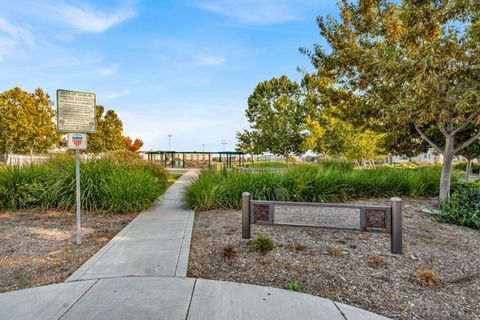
x=76 y=111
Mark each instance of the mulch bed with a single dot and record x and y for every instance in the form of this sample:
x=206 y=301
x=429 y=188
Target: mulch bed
x=38 y=247
x=363 y=274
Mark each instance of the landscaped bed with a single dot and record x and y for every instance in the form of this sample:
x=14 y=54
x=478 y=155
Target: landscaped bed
x=437 y=277
x=38 y=246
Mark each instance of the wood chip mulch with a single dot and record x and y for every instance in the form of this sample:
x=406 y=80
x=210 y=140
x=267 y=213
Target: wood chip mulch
x=38 y=247
x=437 y=277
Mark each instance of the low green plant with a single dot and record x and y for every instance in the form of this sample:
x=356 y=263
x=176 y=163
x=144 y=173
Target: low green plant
x=337 y=164
x=462 y=166
x=310 y=183
x=262 y=243
x=109 y=184
x=293 y=286
x=463 y=208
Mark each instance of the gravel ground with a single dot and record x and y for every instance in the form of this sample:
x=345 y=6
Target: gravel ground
x=38 y=247
x=356 y=275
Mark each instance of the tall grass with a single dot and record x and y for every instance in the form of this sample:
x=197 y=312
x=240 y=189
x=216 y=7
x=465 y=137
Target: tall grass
x=310 y=183
x=107 y=184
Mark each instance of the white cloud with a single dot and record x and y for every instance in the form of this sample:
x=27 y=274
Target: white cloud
x=12 y=38
x=15 y=32
x=253 y=11
x=87 y=18
x=107 y=72
x=210 y=60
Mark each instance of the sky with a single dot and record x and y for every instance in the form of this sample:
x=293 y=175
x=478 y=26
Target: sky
x=181 y=68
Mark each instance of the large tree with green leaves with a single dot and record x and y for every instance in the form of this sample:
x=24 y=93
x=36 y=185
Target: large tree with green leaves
x=26 y=122
x=413 y=64
x=109 y=133
x=277 y=117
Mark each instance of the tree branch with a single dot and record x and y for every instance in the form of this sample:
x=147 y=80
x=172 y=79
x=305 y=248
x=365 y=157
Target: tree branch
x=467 y=122
x=433 y=144
x=441 y=127
x=467 y=142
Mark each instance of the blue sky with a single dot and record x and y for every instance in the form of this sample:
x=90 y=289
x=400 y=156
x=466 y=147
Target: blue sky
x=181 y=67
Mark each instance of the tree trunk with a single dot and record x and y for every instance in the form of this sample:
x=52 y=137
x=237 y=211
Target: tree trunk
x=468 y=169
x=448 y=154
x=286 y=158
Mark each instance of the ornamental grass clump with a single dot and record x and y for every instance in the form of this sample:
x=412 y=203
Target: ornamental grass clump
x=310 y=183
x=107 y=184
x=263 y=244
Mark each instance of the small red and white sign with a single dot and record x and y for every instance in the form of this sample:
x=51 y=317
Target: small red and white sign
x=77 y=141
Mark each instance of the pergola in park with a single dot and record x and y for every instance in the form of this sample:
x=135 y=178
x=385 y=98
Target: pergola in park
x=196 y=159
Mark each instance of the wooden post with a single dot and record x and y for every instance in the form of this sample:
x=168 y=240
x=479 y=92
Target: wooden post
x=245 y=215
x=396 y=236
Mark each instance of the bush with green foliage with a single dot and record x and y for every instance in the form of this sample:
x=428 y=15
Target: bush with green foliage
x=262 y=243
x=462 y=166
x=309 y=183
x=107 y=184
x=463 y=208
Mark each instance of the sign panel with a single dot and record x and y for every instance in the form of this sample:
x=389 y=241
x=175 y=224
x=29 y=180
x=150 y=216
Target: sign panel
x=318 y=216
x=75 y=111
x=77 y=141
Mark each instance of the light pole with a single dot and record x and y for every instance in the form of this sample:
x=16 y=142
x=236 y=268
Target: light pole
x=203 y=147
x=224 y=144
x=169 y=142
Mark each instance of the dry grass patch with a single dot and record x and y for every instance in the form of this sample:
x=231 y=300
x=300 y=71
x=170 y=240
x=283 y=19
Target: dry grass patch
x=335 y=251
x=376 y=261
x=229 y=252
x=427 y=277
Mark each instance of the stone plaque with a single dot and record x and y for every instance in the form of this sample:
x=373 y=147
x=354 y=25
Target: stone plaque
x=261 y=212
x=317 y=216
x=376 y=218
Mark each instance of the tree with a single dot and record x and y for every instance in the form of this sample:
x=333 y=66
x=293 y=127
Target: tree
x=471 y=152
x=133 y=146
x=413 y=64
x=247 y=142
x=276 y=117
x=26 y=122
x=109 y=133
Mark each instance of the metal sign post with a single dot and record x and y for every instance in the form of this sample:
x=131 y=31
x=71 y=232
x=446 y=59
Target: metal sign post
x=77 y=142
x=76 y=113
x=77 y=177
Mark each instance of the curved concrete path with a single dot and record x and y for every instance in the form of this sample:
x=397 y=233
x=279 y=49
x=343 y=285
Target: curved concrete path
x=141 y=274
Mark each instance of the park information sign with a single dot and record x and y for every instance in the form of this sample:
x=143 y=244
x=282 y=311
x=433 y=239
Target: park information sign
x=76 y=115
x=75 y=111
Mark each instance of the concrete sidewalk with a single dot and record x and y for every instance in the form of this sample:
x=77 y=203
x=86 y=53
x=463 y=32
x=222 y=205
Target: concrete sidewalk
x=141 y=274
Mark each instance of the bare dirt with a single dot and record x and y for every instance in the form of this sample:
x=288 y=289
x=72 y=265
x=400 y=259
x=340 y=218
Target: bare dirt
x=352 y=267
x=38 y=247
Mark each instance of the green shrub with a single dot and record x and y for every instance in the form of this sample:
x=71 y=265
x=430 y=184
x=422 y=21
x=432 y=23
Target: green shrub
x=20 y=186
x=462 y=166
x=107 y=184
x=263 y=244
x=337 y=164
x=463 y=208
x=293 y=286
x=310 y=183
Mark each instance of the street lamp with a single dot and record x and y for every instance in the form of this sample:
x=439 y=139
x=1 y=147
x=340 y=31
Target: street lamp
x=169 y=142
x=203 y=147
x=224 y=144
